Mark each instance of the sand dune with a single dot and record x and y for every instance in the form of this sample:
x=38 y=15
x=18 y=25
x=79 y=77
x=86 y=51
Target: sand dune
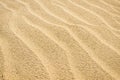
x=59 y=40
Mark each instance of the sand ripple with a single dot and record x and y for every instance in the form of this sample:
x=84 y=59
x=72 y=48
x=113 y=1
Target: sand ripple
x=59 y=40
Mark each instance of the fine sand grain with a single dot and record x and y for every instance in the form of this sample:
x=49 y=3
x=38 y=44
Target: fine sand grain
x=59 y=39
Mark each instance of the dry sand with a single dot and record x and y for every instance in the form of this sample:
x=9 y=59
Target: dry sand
x=59 y=39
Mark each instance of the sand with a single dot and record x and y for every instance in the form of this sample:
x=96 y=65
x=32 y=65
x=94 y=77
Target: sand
x=59 y=40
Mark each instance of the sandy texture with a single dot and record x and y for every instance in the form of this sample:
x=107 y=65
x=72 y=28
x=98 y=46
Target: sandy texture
x=59 y=39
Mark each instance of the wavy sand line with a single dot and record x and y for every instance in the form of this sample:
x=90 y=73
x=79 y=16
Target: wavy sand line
x=59 y=40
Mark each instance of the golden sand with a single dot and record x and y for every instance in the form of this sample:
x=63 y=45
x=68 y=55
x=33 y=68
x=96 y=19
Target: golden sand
x=59 y=39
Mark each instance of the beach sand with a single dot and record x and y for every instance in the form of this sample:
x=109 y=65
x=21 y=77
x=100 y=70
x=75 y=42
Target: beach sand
x=59 y=40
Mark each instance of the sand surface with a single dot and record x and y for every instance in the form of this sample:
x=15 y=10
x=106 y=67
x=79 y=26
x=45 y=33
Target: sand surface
x=59 y=39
